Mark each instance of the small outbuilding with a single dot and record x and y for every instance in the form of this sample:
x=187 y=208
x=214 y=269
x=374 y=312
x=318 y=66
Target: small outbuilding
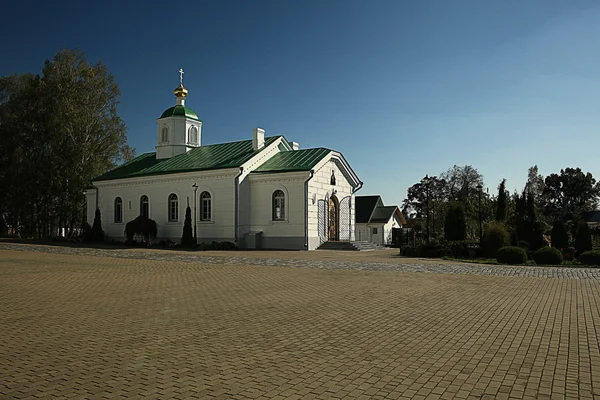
x=376 y=222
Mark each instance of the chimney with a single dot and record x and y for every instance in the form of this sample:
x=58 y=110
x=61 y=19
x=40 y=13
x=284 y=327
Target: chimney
x=295 y=146
x=258 y=139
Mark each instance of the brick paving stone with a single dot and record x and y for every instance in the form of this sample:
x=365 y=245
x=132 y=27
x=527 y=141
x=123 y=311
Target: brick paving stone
x=121 y=323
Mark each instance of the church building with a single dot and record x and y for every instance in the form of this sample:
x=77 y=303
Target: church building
x=264 y=192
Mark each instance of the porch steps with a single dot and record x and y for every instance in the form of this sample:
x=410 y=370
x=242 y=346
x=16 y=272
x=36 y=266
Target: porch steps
x=361 y=245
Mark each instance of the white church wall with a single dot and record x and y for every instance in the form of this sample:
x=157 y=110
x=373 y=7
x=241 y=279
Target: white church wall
x=286 y=234
x=245 y=199
x=320 y=188
x=158 y=188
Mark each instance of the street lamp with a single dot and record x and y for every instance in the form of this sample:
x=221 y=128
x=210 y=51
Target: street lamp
x=195 y=186
x=480 y=188
x=426 y=181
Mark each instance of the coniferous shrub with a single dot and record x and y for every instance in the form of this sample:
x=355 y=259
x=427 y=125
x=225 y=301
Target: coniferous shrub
x=583 y=238
x=86 y=232
x=496 y=236
x=559 y=235
x=97 y=232
x=455 y=225
x=187 y=239
x=511 y=255
x=590 y=258
x=548 y=256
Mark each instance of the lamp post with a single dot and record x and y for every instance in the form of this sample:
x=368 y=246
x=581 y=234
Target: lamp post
x=480 y=188
x=195 y=186
x=426 y=181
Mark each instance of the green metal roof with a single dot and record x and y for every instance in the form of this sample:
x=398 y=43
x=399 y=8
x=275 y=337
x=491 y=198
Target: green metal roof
x=215 y=156
x=182 y=111
x=383 y=214
x=298 y=160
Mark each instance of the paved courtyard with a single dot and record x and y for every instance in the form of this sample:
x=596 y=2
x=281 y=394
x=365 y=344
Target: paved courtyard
x=95 y=323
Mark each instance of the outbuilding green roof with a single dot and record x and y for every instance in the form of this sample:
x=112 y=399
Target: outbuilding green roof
x=290 y=161
x=215 y=156
x=182 y=111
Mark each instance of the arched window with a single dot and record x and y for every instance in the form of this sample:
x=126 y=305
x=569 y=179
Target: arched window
x=118 y=210
x=278 y=205
x=164 y=137
x=193 y=135
x=173 y=208
x=145 y=206
x=205 y=206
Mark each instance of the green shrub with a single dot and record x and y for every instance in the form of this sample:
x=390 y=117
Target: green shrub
x=455 y=226
x=86 y=232
x=142 y=226
x=187 y=238
x=560 y=235
x=459 y=248
x=548 y=256
x=583 y=238
x=524 y=245
x=495 y=237
x=511 y=255
x=590 y=258
x=97 y=232
x=431 y=250
x=408 y=251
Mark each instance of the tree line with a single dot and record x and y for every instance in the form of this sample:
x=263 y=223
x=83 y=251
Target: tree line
x=59 y=129
x=528 y=216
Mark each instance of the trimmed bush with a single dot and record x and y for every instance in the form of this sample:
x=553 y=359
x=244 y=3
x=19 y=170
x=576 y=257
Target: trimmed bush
x=408 y=251
x=524 y=245
x=142 y=226
x=86 y=232
x=187 y=239
x=431 y=250
x=495 y=237
x=548 y=256
x=560 y=235
x=97 y=232
x=511 y=255
x=583 y=239
x=590 y=258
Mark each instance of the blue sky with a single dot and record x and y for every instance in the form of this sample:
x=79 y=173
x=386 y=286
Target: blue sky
x=401 y=88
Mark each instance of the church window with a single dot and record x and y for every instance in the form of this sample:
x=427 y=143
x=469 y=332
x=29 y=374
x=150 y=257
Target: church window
x=118 y=210
x=278 y=205
x=205 y=206
x=164 y=137
x=332 y=177
x=173 y=208
x=193 y=135
x=144 y=206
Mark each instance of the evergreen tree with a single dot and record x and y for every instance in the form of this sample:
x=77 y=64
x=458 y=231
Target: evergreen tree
x=455 y=227
x=583 y=239
x=502 y=202
x=97 y=232
x=560 y=235
x=187 y=239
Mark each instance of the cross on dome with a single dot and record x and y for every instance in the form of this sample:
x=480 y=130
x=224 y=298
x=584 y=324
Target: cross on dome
x=180 y=92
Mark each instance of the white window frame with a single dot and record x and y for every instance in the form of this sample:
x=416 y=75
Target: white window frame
x=173 y=208
x=206 y=206
x=278 y=205
x=118 y=214
x=147 y=202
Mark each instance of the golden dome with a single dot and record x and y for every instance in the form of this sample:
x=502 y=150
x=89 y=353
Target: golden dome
x=180 y=91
